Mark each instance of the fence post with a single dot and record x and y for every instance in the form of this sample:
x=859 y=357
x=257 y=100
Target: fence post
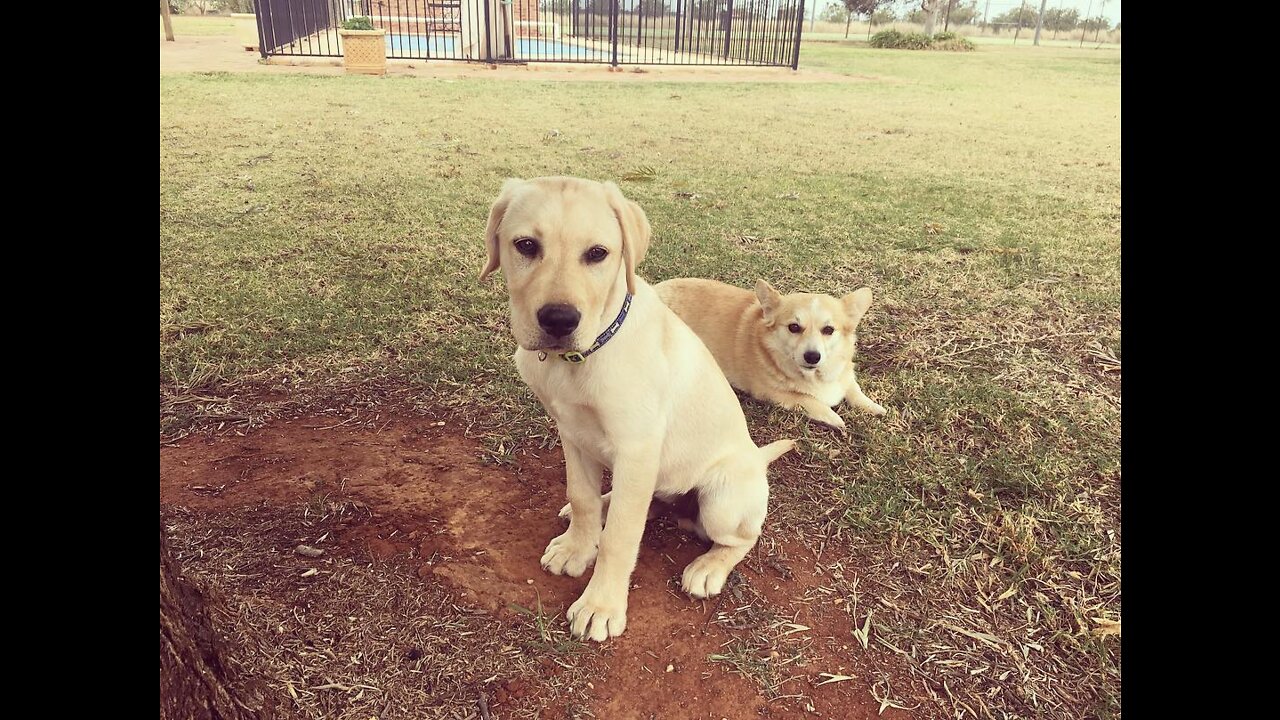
x=679 y=17
x=795 y=58
x=728 y=27
x=488 y=33
x=258 y=14
x=613 y=31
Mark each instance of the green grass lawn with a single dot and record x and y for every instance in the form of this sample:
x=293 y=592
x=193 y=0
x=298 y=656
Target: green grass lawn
x=324 y=233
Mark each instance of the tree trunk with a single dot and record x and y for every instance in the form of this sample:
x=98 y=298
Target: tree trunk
x=194 y=677
x=168 y=24
x=1040 y=22
x=848 y=21
x=931 y=18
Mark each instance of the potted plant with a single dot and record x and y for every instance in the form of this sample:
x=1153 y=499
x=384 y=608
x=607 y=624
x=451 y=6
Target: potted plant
x=364 y=49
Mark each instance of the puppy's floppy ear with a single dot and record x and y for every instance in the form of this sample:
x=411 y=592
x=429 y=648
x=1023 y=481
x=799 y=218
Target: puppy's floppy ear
x=856 y=304
x=635 y=231
x=496 y=213
x=769 y=300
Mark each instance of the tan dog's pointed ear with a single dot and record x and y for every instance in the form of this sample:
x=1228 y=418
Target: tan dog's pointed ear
x=635 y=231
x=856 y=304
x=496 y=213
x=769 y=300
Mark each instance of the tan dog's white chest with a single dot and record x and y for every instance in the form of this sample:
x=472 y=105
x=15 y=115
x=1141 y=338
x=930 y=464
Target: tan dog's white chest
x=829 y=393
x=569 y=397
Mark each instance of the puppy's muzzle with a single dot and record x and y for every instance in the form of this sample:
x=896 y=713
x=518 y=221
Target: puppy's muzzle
x=558 y=320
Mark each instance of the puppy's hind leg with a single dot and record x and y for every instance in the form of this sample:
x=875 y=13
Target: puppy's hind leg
x=731 y=517
x=573 y=551
x=567 y=510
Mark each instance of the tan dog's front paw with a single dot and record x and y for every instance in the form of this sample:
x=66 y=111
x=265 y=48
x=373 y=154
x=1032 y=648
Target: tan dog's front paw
x=569 y=554
x=830 y=419
x=876 y=409
x=705 y=576
x=597 y=616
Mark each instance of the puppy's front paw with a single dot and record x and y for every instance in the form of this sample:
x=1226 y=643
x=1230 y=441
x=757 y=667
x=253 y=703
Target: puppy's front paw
x=569 y=554
x=830 y=419
x=876 y=409
x=598 y=616
x=705 y=576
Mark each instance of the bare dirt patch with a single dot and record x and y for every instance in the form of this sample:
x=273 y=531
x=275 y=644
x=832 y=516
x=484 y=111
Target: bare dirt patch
x=429 y=553
x=222 y=53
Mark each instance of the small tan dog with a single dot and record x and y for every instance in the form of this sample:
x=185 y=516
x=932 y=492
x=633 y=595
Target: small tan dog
x=793 y=350
x=630 y=387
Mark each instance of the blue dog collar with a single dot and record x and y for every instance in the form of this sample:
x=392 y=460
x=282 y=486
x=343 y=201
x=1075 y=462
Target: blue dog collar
x=581 y=357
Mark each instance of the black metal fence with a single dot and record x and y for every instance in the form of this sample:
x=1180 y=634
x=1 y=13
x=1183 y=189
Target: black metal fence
x=614 y=32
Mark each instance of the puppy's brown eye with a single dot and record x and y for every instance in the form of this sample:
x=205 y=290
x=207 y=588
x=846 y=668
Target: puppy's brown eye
x=795 y=328
x=528 y=247
x=596 y=254
x=828 y=330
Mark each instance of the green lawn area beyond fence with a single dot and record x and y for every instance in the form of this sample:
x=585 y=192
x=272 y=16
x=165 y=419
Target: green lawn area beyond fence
x=324 y=233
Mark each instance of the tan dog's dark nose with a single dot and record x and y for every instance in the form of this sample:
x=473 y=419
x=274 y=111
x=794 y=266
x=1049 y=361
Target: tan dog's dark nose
x=812 y=357
x=558 y=320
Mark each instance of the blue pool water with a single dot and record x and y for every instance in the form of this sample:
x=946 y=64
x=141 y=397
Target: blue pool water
x=446 y=46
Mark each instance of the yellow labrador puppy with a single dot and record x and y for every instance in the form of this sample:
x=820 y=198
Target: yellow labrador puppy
x=793 y=350
x=630 y=387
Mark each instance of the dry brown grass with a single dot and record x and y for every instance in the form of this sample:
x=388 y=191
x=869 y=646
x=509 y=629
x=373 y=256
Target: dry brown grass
x=352 y=638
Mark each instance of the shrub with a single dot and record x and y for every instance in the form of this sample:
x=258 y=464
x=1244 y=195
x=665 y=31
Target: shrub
x=900 y=41
x=957 y=44
x=357 y=23
x=917 y=41
x=886 y=39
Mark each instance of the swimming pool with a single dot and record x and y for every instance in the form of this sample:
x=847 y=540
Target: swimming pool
x=446 y=47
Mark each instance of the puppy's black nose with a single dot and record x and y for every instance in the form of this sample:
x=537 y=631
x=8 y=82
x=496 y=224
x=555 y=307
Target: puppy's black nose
x=559 y=320
x=812 y=357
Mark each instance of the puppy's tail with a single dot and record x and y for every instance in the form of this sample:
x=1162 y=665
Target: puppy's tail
x=776 y=449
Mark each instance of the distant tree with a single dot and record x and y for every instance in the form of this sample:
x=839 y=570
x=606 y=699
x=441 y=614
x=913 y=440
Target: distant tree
x=1023 y=15
x=1059 y=20
x=652 y=8
x=886 y=15
x=833 y=12
x=235 y=6
x=1095 y=24
x=962 y=14
x=927 y=14
x=858 y=7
